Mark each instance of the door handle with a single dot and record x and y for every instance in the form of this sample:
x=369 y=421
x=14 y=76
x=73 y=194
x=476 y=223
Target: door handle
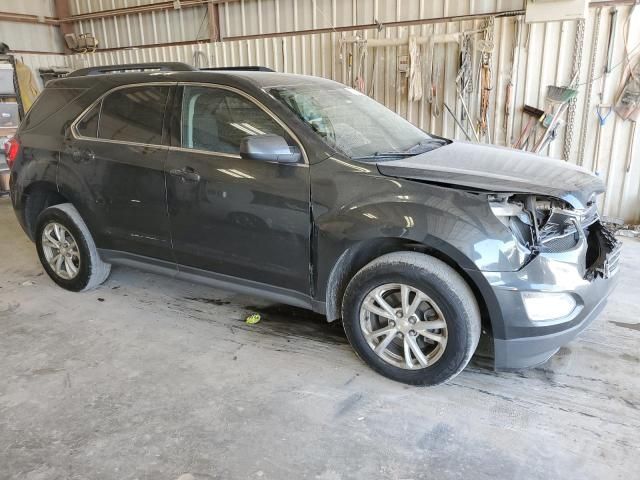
x=187 y=174
x=83 y=155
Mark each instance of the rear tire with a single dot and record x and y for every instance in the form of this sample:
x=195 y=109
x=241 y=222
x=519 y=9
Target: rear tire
x=67 y=251
x=429 y=345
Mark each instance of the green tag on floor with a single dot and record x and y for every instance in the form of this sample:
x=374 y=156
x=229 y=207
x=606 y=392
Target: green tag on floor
x=253 y=319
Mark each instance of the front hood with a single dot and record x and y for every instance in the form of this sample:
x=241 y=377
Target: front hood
x=498 y=169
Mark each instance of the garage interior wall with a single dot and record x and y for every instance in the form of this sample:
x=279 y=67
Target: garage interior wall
x=38 y=41
x=311 y=37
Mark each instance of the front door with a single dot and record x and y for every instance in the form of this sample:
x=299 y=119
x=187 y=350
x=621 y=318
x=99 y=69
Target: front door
x=246 y=219
x=115 y=164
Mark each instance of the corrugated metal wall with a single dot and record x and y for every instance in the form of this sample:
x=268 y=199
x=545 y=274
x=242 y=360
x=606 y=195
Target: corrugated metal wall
x=29 y=36
x=543 y=55
x=174 y=25
x=251 y=17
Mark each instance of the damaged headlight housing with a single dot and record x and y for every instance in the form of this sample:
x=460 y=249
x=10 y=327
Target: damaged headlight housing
x=542 y=224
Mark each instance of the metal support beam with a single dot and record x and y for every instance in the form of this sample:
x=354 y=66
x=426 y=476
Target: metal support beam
x=24 y=18
x=153 y=7
x=214 y=22
x=62 y=10
x=509 y=13
x=372 y=26
x=611 y=3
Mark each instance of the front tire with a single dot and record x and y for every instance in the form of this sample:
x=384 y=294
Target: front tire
x=67 y=250
x=411 y=318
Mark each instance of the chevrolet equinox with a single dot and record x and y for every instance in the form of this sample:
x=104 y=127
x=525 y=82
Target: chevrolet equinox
x=307 y=192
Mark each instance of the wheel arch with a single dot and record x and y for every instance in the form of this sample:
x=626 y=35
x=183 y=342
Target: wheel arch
x=35 y=198
x=360 y=254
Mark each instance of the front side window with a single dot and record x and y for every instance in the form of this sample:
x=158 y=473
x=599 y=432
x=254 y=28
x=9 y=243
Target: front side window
x=134 y=114
x=216 y=120
x=353 y=123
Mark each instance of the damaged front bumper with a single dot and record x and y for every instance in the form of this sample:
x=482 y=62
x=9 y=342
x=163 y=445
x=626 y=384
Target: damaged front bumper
x=585 y=273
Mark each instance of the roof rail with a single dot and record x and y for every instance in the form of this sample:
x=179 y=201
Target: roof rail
x=249 y=68
x=162 y=66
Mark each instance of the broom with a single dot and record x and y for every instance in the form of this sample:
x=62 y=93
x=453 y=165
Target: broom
x=555 y=96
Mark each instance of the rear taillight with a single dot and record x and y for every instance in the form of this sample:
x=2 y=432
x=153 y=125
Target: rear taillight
x=11 y=149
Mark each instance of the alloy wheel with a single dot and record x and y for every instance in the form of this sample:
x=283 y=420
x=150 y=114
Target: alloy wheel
x=61 y=250
x=403 y=326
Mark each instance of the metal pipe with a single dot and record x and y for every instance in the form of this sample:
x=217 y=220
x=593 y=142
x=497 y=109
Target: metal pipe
x=25 y=18
x=326 y=30
x=117 y=12
x=455 y=119
x=612 y=3
x=398 y=42
x=372 y=26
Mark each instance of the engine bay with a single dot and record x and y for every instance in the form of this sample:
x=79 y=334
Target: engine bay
x=549 y=225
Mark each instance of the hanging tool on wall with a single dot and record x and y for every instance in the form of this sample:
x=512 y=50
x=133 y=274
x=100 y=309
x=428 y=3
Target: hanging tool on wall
x=553 y=133
x=415 y=71
x=508 y=100
x=455 y=119
x=576 y=67
x=199 y=55
x=486 y=48
x=586 y=114
x=608 y=66
x=434 y=77
x=464 y=79
x=346 y=49
x=613 y=22
x=435 y=80
x=628 y=107
x=359 y=82
x=628 y=101
x=430 y=51
x=535 y=116
x=558 y=99
x=485 y=92
x=464 y=84
x=603 y=110
x=627 y=104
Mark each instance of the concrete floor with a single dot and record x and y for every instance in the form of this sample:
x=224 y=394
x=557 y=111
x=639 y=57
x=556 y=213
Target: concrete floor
x=153 y=378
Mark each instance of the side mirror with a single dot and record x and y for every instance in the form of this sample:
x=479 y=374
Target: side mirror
x=269 y=148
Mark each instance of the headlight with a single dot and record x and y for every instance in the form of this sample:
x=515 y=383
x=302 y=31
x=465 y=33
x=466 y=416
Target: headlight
x=541 y=223
x=512 y=213
x=541 y=306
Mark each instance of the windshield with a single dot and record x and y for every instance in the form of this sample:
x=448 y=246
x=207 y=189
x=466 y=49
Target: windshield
x=355 y=124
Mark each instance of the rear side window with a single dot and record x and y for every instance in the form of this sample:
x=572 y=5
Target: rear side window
x=217 y=120
x=133 y=114
x=88 y=124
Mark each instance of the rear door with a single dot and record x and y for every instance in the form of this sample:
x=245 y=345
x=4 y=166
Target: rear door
x=243 y=218
x=114 y=166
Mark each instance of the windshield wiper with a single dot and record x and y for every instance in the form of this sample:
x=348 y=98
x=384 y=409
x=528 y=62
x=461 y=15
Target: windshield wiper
x=384 y=155
x=430 y=144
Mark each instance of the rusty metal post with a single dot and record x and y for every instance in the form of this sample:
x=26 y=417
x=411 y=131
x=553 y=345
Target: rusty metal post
x=214 y=22
x=63 y=11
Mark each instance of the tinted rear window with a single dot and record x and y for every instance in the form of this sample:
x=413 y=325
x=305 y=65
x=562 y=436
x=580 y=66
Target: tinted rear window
x=49 y=102
x=134 y=115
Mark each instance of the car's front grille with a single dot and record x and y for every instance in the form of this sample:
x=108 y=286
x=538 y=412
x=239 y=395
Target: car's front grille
x=563 y=228
x=612 y=263
x=561 y=244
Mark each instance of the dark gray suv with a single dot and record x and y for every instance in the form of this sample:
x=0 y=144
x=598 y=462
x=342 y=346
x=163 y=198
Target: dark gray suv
x=306 y=192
